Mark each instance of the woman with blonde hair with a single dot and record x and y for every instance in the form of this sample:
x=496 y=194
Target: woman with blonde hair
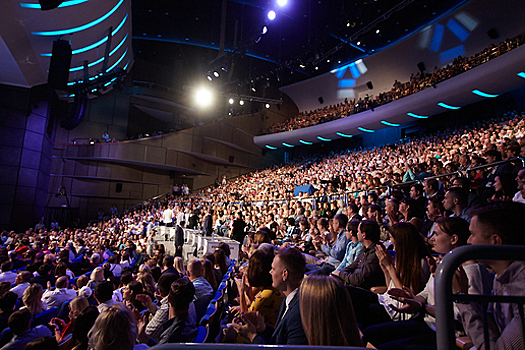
x=32 y=299
x=179 y=265
x=114 y=329
x=96 y=277
x=327 y=313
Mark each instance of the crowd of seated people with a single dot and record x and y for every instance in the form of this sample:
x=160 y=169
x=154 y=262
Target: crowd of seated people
x=417 y=82
x=283 y=239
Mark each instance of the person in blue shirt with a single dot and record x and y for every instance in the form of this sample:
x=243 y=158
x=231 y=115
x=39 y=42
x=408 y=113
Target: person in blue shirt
x=353 y=248
x=336 y=253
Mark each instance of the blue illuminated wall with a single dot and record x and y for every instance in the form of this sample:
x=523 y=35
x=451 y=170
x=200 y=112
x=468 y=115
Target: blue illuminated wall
x=461 y=32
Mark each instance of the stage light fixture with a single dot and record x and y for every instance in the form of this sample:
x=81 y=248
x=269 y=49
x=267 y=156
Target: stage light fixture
x=203 y=97
x=377 y=31
x=358 y=43
x=271 y=15
x=209 y=77
x=216 y=74
x=253 y=89
x=282 y=2
x=264 y=29
x=267 y=105
x=241 y=102
x=231 y=101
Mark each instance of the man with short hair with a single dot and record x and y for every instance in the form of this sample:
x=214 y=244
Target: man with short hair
x=208 y=223
x=56 y=297
x=365 y=272
x=455 y=201
x=519 y=197
x=336 y=253
x=104 y=295
x=7 y=275
x=287 y=272
x=20 y=324
x=179 y=238
x=431 y=187
x=202 y=286
x=498 y=223
x=22 y=282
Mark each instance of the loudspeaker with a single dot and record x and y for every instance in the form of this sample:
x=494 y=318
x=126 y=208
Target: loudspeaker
x=369 y=85
x=493 y=33
x=118 y=189
x=320 y=99
x=49 y=4
x=421 y=67
x=59 y=65
x=231 y=159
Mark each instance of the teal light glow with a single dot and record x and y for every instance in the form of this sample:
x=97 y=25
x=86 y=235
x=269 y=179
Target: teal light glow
x=324 y=139
x=444 y=105
x=97 y=44
x=521 y=74
x=343 y=135
x=483 y=94
x=81 y=28
x=288 y=145
x=389 y=124
x=417 y=116
x=119 y=45
x=75 y=69
x=109 y=82
x=271 y=147
x=64 y=4
x=365 y=130
x=118 y=61
x=126 y=66
x=306 y=142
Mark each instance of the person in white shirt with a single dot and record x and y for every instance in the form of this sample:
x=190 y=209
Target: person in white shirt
x=167 y=217
x=7 y=275
x=22 y=282
x=61 y=294
x=519 y=197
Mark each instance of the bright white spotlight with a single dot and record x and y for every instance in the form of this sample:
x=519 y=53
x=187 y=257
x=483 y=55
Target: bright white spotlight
x=230 y=101
x=241 y=102
x=209 y=77
x=216 y=74
x=282 y=2
x=267 y=105
x=203 y=97
x=271 y=15
x=264 y=30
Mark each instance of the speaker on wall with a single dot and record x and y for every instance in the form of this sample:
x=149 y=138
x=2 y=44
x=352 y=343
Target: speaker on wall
x=59 y=65
x=369 y=85
x=493 y=33
x=320 y=99
x=118 y=189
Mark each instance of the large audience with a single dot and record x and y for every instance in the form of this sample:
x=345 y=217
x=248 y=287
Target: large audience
x=348 y=261
x=419 y=81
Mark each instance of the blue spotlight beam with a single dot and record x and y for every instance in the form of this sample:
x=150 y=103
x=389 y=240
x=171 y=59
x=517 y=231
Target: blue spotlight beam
x=365 y=130
x=389 y=124
x=413 y=115
x=324 y=139
x=444 y=105
x=483 y=94
x=306 y=142
x=343 y=135
x=81 y=28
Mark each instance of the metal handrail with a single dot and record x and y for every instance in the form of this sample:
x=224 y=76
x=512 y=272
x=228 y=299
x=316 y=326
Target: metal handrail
x=443 y=287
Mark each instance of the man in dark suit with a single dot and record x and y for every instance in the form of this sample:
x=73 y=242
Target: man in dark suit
x=208 y=223
x=179 y=238
x=287 y=272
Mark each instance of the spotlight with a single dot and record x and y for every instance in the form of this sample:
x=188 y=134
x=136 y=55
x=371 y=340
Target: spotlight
x=253 y=89
x=241 y=102
x=264 y=30
x=377 y=31
x=267 y=105
x=230 y=101
x=282 y=2
x=316 y=68
x=209 y=77
x=203 y=97
x=271 y=15
x=358 y=43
